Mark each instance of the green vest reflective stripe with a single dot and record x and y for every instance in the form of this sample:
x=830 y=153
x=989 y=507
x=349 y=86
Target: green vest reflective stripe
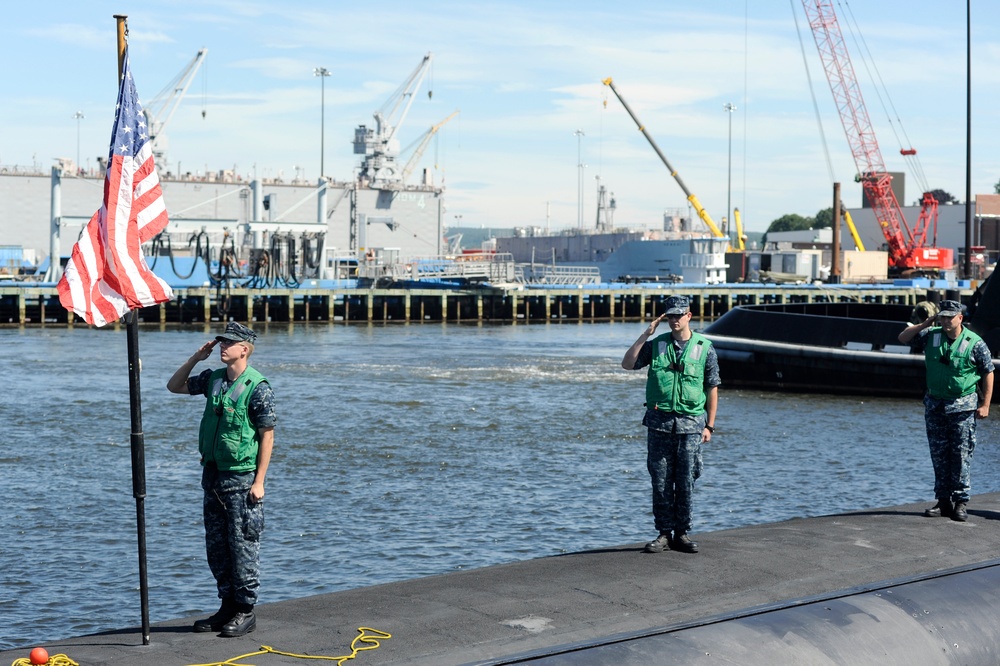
x=227 y=437
x=951 y=370
x=677 y=384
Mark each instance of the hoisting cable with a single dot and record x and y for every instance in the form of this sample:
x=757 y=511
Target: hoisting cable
x=277 y=259
x=290 y=241
x=812 y=91
x=154 y=248
x=819 y=120
x=260 y=271
x=163 y=239
x=906 y=150
x=310 y=254
x=222 y=281
x=746 y=67
x=170 y=253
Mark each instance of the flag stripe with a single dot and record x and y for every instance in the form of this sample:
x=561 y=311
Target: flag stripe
x=107 y=274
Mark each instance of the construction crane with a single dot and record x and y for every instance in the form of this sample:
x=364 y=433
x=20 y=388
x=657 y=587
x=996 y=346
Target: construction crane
x=161 y=108
x=421 y=146
x=908 y=250
x=702 y=213
x=380 y=146
x=740 y=236
x=846 y=214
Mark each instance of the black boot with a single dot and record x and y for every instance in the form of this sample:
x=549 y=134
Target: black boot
x=683 y=543
x=942 y=508
x=215 y=622
x=242 y=623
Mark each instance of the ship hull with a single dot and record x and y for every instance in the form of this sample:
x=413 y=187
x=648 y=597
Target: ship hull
x=835 y=348
x=627 y=256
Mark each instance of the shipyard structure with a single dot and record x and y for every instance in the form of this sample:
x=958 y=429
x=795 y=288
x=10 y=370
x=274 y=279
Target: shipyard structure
x=301 y=228
x=373 y=248
x=236 y=226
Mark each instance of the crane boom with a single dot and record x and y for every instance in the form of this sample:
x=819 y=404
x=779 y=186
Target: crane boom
x=702 y=213
x=907 y=249
x=853 y=229
x=161 y=108
x=380 y=146
x=740 y=238
x=395 y=109
x=422 y=145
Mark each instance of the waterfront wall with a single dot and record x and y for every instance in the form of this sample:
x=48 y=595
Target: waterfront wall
x=22 y=305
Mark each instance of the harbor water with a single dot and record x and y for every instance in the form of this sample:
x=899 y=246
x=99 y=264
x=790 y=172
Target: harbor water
x=401 y=451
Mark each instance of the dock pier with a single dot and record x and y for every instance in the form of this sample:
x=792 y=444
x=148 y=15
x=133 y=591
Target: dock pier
x=31 y=305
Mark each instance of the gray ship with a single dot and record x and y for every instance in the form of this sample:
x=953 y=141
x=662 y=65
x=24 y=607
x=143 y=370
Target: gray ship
x=674 y=253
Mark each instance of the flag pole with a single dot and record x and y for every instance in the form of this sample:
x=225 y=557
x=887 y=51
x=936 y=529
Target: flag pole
x=138 y=462
x=135 y=407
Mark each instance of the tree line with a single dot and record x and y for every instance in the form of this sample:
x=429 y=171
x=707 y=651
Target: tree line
x=824 y=218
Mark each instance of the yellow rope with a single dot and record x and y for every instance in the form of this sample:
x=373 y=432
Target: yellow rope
x=54 y=660
x=371 y=639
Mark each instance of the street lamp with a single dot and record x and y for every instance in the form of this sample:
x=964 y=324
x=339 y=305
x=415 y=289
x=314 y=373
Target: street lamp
x=579 y=182
x=322 y=73
x=78 y=116
x=729 y=108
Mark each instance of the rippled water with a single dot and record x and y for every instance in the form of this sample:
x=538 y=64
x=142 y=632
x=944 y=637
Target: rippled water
x=401 y=451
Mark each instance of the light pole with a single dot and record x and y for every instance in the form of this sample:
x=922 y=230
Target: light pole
x=322 y=73
x=579 y=182
x=729 y=108
x=78 y=116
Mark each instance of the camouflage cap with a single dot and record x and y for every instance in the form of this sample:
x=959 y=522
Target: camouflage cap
x=237 y=332
x=678 y=305
x=951 y=308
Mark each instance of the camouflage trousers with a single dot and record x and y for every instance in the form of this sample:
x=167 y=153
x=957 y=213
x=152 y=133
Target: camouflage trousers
x=952 y=440
x=674 y=463
x=232 y=533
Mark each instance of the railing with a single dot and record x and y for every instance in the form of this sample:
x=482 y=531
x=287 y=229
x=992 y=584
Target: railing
x=560 y=275
x=494 y=268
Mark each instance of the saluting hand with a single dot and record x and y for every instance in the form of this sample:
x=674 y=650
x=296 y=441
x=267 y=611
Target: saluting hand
x=206 y=350
x=653 y=324
x=628 y=362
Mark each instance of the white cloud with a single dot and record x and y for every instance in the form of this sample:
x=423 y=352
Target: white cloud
x=525 y=76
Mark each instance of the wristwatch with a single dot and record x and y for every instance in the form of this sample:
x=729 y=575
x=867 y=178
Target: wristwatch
x=711 y=429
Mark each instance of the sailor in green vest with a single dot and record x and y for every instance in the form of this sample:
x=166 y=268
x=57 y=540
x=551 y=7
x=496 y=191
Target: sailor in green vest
x=235 y=442
x=959 y=389
x=681 y=401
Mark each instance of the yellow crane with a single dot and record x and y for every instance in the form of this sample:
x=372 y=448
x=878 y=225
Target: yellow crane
x=854 y=231
x=702 y=213
x=740 y=238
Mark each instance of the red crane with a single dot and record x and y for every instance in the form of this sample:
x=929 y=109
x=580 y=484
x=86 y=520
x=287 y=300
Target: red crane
x=908 y=250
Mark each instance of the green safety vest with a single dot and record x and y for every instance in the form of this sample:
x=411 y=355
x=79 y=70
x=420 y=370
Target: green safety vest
x=677 y=384
x=227 y=437
x=951 y=370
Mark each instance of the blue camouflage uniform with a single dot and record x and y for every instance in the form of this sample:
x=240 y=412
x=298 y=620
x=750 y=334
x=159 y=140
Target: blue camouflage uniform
x=232 y=524
x=951 y=427
x=673 y=449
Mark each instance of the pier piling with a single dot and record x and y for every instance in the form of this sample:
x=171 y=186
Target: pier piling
x=22 y=305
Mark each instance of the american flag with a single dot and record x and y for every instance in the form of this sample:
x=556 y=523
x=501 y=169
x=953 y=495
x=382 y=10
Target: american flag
x=107 y=275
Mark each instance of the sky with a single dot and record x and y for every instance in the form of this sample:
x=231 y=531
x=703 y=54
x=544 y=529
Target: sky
x=525 y=76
